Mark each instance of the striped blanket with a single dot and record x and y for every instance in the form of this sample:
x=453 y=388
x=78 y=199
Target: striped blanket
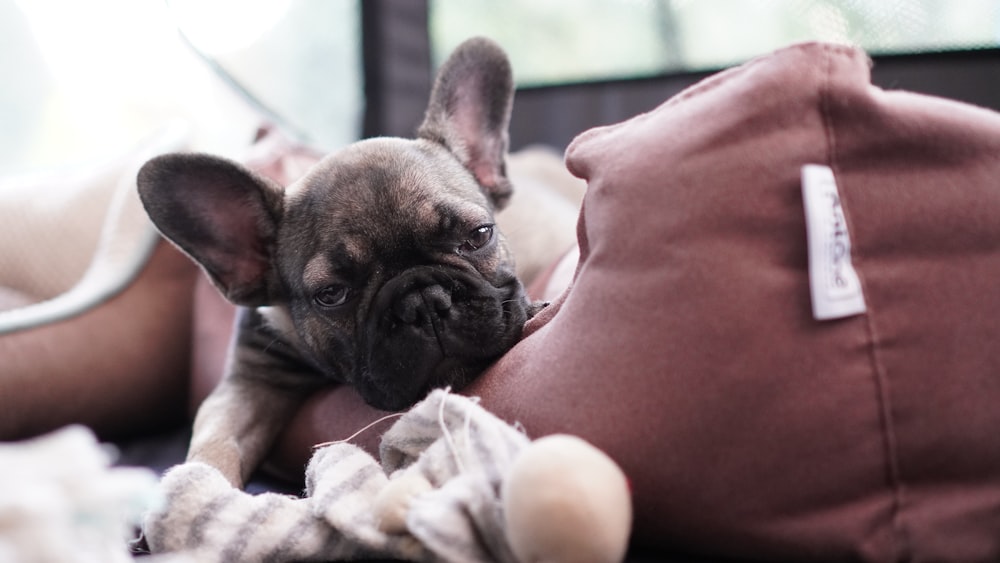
x=460 y=449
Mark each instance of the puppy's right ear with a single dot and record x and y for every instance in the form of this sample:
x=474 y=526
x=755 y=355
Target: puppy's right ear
x=469 y=113
x=222 y=215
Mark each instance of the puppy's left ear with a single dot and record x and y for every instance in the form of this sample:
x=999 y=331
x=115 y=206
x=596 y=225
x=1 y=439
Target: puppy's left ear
x=469 y=113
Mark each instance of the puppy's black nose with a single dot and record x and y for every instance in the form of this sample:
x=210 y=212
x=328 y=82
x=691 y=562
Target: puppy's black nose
x=423 y=305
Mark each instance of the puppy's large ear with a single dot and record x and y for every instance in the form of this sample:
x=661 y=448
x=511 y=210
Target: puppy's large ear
x=469 y=113
x=222 y=215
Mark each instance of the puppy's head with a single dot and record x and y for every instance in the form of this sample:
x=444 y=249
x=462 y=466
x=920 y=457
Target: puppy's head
x=382 y=266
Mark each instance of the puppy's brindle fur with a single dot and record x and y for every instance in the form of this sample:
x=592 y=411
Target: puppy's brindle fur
x=381 y=268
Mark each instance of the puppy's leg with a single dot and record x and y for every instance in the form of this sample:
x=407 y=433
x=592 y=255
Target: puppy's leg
x=237 y=424
x=265 y=384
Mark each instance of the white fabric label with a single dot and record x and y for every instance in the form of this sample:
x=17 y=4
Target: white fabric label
x=836 y=289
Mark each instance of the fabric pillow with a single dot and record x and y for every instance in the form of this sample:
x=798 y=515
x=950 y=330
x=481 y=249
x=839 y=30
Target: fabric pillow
x=686 y=347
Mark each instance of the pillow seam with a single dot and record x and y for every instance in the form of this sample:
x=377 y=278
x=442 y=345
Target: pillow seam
x=901 y=544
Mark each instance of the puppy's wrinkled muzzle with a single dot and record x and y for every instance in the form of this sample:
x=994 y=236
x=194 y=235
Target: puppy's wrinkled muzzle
x=423 y=308
x=433 y=326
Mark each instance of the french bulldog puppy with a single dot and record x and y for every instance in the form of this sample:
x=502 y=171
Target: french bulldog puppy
x=381 y=268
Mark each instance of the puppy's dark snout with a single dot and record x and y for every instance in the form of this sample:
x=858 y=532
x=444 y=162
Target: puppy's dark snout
x=437 y=298
x=423 y=304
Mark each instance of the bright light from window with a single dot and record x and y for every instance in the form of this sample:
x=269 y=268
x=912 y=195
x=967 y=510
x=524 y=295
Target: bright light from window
x=553 y=41
x=114 y=72
x=218 y=27
x=79 y=39
x=88 y=79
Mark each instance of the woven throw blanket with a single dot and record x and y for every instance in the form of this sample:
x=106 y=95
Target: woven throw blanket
x=459 y=448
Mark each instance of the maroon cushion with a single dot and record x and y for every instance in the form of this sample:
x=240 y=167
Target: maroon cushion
x=687 y=348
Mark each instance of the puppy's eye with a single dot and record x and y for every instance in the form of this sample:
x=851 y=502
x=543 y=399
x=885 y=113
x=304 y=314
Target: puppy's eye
x=333 y=296
x=478 y=238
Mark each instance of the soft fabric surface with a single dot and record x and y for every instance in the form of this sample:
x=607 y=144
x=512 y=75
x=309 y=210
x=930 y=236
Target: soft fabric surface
x=100 y=331
x=687 y=350
x=59 y=215
x=52 y=511
x=72 y=240
x=462 y=450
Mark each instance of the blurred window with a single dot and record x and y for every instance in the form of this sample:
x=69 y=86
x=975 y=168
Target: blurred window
x=299 y=59
x=556 y=41
x=85 y=80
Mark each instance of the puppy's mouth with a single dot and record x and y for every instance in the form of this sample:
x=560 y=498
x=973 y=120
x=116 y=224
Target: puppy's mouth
x=432 y=327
